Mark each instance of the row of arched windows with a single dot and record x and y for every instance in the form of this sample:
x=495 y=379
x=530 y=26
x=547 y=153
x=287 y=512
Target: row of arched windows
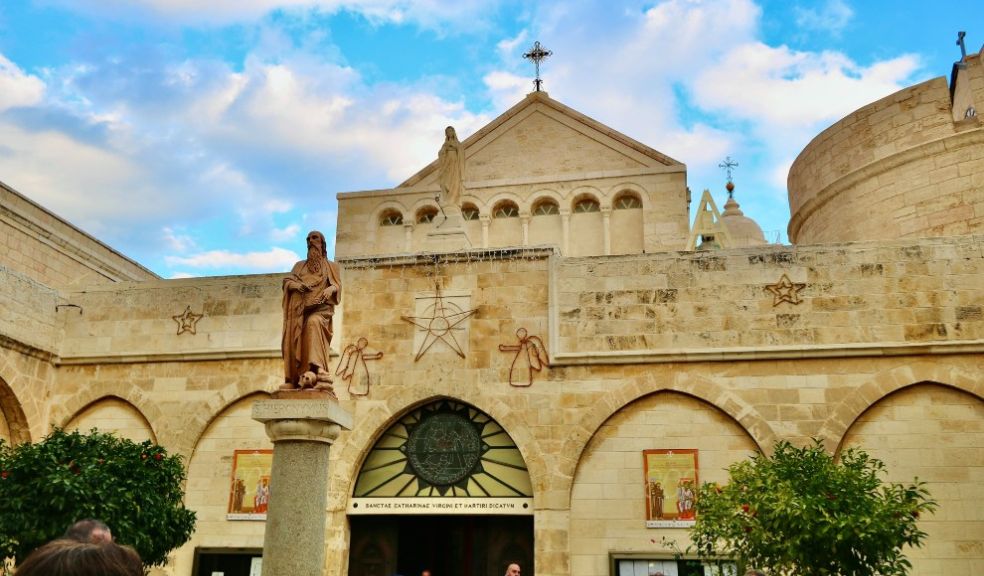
x=545 y=206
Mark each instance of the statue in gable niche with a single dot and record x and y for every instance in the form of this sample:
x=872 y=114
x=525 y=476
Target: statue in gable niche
x=311 y=292
x=451 y=169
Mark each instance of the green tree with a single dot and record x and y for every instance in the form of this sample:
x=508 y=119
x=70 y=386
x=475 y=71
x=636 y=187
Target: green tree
x=137 y=489
x=801 y=511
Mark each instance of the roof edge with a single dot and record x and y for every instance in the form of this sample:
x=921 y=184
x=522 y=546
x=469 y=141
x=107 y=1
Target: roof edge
x=542 y=97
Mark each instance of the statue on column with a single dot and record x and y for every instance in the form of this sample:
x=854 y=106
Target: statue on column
x=451 y=170
x=311 y=292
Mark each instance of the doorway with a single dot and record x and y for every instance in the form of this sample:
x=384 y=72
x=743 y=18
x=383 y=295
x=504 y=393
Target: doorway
x=445 y=545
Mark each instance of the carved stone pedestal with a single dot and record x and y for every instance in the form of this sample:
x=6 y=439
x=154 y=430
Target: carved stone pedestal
x=302 y=431
x=448 y=234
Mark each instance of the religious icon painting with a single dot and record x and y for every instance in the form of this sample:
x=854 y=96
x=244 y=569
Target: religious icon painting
x=249 y=487
x=671 y=482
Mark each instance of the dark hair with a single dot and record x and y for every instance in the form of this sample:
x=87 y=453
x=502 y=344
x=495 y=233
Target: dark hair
x=82 y=530
x=73 y=558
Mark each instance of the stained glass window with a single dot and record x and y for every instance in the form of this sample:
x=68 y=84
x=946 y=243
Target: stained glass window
x=444 y=449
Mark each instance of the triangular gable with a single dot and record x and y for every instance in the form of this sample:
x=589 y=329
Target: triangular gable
x=708 y=223
x=540 y=136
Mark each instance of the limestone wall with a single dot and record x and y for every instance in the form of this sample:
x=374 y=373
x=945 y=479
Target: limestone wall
x=934 y=433
x=900 y=167
x=876 y=318
x=29 y=337
x=703 y=304
x=660 y=224
x=45 y=247
x=27 y=311
x=240 y=316
x=608 y=496
x=209 y=483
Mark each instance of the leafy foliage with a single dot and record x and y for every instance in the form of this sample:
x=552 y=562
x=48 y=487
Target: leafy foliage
x=137 y=489
x=801 y=511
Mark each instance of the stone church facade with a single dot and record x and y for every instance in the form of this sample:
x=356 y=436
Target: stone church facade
x=867 y=331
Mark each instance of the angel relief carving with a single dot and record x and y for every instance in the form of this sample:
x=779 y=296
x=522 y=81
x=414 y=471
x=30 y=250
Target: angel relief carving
x=531 y=356
x=352 y=367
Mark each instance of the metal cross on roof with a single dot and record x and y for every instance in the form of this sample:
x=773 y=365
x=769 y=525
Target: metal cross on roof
x=960 y=42
x=728 y=165
x=537 y=54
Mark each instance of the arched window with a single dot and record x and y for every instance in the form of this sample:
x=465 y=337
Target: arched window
x=505 y=209
x=426 y=215
x=586 y=204
x=445 y=449
x=627 y=201
x=391 y=218
x=546 y=207
x=469 y=212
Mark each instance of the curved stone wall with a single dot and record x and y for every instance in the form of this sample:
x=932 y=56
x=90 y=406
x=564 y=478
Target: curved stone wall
x=900 y=167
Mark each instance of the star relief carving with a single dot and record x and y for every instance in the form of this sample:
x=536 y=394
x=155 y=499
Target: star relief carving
x=785 y=290
x=441 y=324
x=187 y=321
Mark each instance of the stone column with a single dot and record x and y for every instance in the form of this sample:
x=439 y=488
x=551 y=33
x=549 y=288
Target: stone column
x=485 y=229
x=302 y=429
x=525 y=219
x=606 y=219
x=408 y=236
x=565 y=219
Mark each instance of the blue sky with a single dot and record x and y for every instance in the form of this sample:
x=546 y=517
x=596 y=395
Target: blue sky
x=208 y=140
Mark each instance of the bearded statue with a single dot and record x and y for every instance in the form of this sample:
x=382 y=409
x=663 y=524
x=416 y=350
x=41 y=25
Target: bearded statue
x=311 y=292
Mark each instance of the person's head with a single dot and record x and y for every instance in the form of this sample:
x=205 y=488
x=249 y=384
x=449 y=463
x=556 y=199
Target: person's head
x=425 y=572
x=89 y=530
x=316 y=241
x=512 y=569
x=73 y=558
x=450 y=134
x=754 y=572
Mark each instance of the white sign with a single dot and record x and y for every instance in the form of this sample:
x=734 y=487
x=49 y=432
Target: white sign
x=256 y=566
x=670 y=523
x=462 y=506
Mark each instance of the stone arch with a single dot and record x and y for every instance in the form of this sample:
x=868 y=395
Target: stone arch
x=585 y=193
x=541 y=196
x=198 y=423
x=623 y=188
x=101 y=399
x=209 y=465
x=746 y=416
x=496 y=199
x=381 y=416
x=13 y=414
x=505 y=202
x=884 y=383
x=389 y=205
x=933 y=432
x=97 y=391
x=470 y=202
x=421 y=205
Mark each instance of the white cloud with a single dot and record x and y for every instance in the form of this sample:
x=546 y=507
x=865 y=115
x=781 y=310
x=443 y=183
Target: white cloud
x=180 y=275
x=435 y=14
x=283 y=234
x=92 y=187
x=832 y=17
x=273 y=260
x=18 y=88
x=507 y=46
x=506 y=88
x=781 y=86
x=177 y=241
